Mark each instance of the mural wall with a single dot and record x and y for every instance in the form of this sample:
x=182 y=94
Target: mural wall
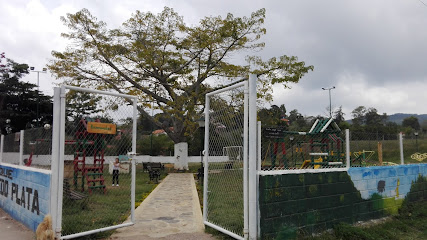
x=25 y=193
x=313 y=202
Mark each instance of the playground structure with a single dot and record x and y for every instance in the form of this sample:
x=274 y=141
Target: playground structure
x=90 y=141
x=322 y=146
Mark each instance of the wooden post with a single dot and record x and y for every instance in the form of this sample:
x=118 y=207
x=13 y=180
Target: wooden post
x=380 y=153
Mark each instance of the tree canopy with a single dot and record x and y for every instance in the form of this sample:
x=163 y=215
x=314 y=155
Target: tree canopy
x=160 y=59
x=18 y=100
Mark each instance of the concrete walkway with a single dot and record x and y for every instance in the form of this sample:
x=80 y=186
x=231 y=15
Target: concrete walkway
x=11 y=229
x=171 y=211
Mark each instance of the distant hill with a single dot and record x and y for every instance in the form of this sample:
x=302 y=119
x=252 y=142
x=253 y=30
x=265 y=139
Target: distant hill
x=398 y=117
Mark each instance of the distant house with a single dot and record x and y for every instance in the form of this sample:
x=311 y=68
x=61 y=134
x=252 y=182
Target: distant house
x=159 y=132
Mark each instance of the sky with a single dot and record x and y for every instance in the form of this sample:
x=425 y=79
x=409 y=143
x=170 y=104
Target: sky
x=373 y=52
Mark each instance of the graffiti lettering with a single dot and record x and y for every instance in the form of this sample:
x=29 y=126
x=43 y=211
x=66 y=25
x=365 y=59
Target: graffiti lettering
x=6 y=173
x=17 y=195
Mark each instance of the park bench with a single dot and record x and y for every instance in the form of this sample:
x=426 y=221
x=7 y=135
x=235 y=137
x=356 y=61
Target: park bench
x=154 y=169
x=74 y=195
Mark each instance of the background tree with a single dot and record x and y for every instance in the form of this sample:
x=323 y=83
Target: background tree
x=339 y=115
x=81 y=104
x=411 y=122
x=358 y=115
x=273 y=116
x=161 y=59
x=18 y=100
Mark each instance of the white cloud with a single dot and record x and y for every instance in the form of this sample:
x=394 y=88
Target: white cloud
x=372 y=51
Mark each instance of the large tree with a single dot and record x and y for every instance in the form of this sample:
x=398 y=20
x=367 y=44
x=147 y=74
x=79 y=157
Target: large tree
x=159 y=58
x=18 y=100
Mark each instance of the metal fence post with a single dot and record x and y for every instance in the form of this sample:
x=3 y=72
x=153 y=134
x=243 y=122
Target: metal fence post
x=206 y=149
x=259 y=160
x=133 y=184
x=347 y=148
x=56 y=226
x=252 y=156
x=21 y=148
x=402 y=160
x=1 y=147
x=61 y=158
x=246 y=164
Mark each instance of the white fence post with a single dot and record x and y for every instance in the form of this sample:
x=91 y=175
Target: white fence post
x=347 y=148
x=252 y=156
x=56 y=226
x=133 y=184
x=259 y=161
x=246 y=164
x=21 y=148
x=402 y=160
x=1 y=147
x=206 y=164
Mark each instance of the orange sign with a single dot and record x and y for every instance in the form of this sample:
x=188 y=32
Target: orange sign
x=103 y=128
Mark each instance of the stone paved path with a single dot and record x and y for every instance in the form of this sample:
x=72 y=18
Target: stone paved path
x=171 y=211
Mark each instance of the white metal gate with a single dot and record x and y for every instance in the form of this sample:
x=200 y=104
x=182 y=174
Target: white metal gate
x=225 y=205
x=92 y=130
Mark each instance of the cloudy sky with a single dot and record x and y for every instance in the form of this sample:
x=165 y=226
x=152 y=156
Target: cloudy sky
x=373 y=52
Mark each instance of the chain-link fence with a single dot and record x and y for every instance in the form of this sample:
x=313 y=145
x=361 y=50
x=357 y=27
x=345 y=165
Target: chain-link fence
x=225 y=160
x=97 y=170
x=288 y=150
x=11 y=148
x=38 y=147
x=374 y=149
x=415 y=148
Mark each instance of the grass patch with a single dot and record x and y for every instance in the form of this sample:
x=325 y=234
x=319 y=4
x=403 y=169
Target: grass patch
x=409 y=224
x=225 y=200
x=103 y=210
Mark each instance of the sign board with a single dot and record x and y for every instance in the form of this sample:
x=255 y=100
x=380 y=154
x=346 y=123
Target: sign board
x=272 y=132
x=102 y=128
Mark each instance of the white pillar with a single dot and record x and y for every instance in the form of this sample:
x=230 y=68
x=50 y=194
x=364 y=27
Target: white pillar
x=21 y=148
x=252 y=157
x=402 y=160
x=181 y=156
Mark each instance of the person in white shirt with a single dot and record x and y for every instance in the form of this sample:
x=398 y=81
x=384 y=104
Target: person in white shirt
x=116 y=168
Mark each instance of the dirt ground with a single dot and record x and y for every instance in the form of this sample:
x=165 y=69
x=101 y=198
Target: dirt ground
x=12 y=230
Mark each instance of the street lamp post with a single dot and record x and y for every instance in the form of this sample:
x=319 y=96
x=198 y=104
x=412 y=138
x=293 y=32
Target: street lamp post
x=330 y=102
x=38 y=90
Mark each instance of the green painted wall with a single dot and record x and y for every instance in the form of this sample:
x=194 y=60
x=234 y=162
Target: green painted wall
x=313 y=202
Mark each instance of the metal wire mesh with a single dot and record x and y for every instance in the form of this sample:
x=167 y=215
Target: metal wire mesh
x=11 y=148
x=287 y=150
x=225 y=171
x=38 y=147
x=415 y=148
x=373 y=149
x=97 y=171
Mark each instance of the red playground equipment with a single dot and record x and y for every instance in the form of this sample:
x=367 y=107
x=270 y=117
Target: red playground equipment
x=88 y=144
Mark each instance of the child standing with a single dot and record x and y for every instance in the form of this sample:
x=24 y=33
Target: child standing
x=116 y=168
